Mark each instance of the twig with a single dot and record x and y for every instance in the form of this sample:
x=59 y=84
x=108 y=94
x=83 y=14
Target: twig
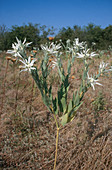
x=16 y=97
x=31 y=95
x=4 y=82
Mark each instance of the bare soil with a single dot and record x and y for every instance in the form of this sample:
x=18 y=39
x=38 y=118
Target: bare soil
x=28 y=131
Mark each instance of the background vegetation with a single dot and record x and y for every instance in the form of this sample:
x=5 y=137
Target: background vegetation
x=39 y=34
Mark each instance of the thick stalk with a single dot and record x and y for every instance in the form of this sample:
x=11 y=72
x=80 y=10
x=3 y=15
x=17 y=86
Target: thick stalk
x=57 y=137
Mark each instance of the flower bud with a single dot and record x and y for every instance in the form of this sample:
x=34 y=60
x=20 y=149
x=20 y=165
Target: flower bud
x=51 y=38
x=13 y=60
x=72 y=77
x=31 y=55
x=8 y=58
x=32 y=59
x=34 y=51
x=50 y=59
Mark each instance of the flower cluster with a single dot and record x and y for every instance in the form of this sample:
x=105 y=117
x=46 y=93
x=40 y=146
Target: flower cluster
x=102 y=67
x=79 y=49
x=18 y=48
x=92 y=81
x=54 y=63
x=51 y=48
x=77 y=44
x=76 y=47
x=28 y=64
x=86 y=54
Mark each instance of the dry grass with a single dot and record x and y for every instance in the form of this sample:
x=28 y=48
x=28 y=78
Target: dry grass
x=27 y=130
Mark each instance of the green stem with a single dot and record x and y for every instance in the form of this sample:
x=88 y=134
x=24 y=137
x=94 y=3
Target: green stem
x=56 y=148
x=56 y=121
x=57 y=136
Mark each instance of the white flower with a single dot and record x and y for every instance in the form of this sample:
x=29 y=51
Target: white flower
x=92 y=81
x=110 y=68
x=60 y=40
x=75 y=47
x=80 y=55
x=93 y=54
x=85 y=54
x=15 y=51
x=28 y=64
x=68 y=41
x=52 y=48
x=23 y=44
x=54 y=63
x=70 y=50
x=102 y=66
x=18 y=47
x=93 y=43
x=76 y=44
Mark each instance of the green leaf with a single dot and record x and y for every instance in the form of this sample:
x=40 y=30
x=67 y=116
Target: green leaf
x=45 y=86
x=73 y=58
x=55 y=105
x=45 y=100
x=63 y=101
x=69 y=67
x=73 y=112
x=77 y=99
x=64 y=119
x=37 y=79
x=70 y=106
x=73 y=100
x=66 y=82
x=50 y=93
x=60 y=95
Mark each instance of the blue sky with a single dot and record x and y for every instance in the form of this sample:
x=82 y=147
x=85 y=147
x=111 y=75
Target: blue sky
x=57 y=13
